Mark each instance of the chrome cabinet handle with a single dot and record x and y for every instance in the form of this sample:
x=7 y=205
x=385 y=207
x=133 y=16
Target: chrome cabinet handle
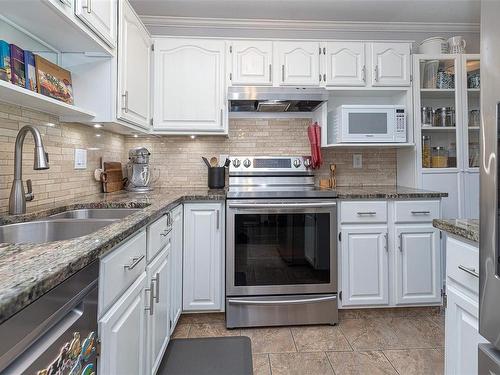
x=363 y=72
x=125 y=98
x=88 y=6
x=324 y=50
x=221 y=117
x=283 y=73
x=135 y=262
x=369 y=213
x=469 y=270
x=156 y=280
x=164 y=233
x=320 y=77
x=324 y=77
x=376 y=73
x=218 y=219
x=386 y=242
x=420 y=212
x=270 y=73
x=151 y=307
x=400 y=247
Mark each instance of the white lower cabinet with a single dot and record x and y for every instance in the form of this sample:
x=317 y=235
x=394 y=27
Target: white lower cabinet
x=158 y=307
x=364 y=265
x=203 y=271
x=176 y=267
x=418 y=264
x=122 y=331
x=390 y=254
x=462 y=311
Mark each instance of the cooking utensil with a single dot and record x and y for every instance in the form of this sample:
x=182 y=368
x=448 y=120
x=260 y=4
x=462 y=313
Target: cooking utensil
x=206 y=161
x=226 y=164
x=213 y=161
x=112 y=177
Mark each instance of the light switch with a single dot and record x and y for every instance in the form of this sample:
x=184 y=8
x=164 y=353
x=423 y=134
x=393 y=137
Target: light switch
x=357 y=161
x=80 y=158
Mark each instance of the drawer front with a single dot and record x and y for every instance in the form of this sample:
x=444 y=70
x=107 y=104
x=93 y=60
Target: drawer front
x=119 y=269
x=363 y=212
x=462 y=264
x=158 y=236
x=416 y=211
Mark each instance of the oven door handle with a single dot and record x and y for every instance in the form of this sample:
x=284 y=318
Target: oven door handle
x=282 y=205
x=281 y=302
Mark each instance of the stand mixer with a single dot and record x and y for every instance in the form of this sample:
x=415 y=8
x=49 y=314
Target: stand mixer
x=138 y=170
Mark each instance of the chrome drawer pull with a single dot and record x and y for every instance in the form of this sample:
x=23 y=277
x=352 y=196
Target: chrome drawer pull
x=367 y=213
x=281 y=302
x=165 y=232
x=151 y=307
x=420 y=212
x=135 y=262
x=157 y=291
x=470 y=271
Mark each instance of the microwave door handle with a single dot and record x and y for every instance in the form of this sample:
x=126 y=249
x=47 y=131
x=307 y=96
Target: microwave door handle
x=282 y=205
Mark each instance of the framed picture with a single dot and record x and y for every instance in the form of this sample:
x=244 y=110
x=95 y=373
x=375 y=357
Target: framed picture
x=53 y=81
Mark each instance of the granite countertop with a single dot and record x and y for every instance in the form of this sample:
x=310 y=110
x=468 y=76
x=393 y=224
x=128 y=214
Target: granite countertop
x=465 y=228
x=27 y=271
x=385 y=192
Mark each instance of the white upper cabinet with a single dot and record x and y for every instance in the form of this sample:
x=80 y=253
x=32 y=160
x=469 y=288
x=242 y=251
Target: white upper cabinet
x=189 y=86
x=100 y=16
x=250 y=63
x=134 y=69
x=418 y=269
x=297 y=63
x=345 y=64
x=391 y=64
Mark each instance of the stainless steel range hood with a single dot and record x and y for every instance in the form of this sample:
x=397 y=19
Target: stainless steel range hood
x=275 y=99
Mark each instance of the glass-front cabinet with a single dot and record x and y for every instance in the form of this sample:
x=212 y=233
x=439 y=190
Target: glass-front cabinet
x=447 y=123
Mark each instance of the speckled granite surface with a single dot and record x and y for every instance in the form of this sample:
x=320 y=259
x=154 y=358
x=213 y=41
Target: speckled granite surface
x=465 y=228
x=385 y=192
x=27 y=271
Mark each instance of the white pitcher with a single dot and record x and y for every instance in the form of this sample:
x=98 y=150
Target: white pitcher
x=457 y=44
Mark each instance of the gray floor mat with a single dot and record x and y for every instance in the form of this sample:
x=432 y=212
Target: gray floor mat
x=207 y=356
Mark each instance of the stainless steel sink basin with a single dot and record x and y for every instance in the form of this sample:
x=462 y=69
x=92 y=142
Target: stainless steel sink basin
x=50 y=230
x=95 y=213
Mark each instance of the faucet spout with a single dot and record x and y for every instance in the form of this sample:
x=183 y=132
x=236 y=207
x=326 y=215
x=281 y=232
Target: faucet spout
x=18 y=198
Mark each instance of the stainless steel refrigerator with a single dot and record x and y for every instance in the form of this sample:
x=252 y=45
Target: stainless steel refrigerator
x=489 y=254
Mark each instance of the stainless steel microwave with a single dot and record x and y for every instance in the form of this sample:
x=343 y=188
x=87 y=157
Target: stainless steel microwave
x=370 y=124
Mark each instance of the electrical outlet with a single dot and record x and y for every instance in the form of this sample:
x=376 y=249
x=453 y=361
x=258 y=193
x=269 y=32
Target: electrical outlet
x=80 y=158
x=357 y=161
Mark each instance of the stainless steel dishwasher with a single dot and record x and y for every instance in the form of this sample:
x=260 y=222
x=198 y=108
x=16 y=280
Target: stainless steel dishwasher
x=57 y=333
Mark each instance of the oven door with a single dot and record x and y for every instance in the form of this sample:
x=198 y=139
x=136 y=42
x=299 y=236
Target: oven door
x=281 y=247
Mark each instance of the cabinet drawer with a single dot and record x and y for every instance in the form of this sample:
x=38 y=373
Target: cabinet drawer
x=119 y=269
x=363 y=212
x=158 y=236
x=462 y=260
x=416 y=211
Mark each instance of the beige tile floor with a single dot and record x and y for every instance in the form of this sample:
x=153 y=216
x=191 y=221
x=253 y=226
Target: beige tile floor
x=384 y=341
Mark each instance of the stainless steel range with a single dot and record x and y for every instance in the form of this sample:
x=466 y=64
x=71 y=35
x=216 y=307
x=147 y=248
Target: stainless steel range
x=281 y=253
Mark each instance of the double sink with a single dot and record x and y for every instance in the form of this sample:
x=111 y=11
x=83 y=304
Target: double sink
x=63 y=226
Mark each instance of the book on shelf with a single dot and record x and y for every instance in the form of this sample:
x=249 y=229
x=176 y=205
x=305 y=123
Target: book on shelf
x=4 y=61
x=18 y=76
x=29 y=64
x=53 y=81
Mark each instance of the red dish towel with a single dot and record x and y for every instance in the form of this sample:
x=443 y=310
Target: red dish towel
x=314 y=134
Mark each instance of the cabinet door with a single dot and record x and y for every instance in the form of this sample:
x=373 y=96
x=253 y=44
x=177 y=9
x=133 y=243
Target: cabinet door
x=391 y=64
x=298 y=63
x=450 y=182
x=189 y=85
x=123 y=333
x=203 y=286
x=345 y=64
x=364 y=265
x=134 y=69
x=461 y=336
x=471 y=194
x=418 y=266
x=159 y=317
x=251 y=63
x=176 y=266
x=100 y=16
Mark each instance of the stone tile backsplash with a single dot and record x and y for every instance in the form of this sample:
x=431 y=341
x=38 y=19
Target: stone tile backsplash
x=176 y=159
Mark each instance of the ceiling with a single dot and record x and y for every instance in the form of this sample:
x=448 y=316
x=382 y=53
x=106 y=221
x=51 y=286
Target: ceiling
x=434 y=11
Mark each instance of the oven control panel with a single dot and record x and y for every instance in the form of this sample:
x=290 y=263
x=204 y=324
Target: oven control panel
x=281 y=164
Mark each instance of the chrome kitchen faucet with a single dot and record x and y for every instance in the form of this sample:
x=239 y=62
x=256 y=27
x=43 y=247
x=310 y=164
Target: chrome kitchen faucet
x=18 y=198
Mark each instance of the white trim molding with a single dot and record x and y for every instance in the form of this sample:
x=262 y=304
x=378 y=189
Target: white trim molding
x=297 y=25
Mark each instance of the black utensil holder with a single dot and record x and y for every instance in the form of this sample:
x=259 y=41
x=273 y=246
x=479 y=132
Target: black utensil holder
x=216 y=177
